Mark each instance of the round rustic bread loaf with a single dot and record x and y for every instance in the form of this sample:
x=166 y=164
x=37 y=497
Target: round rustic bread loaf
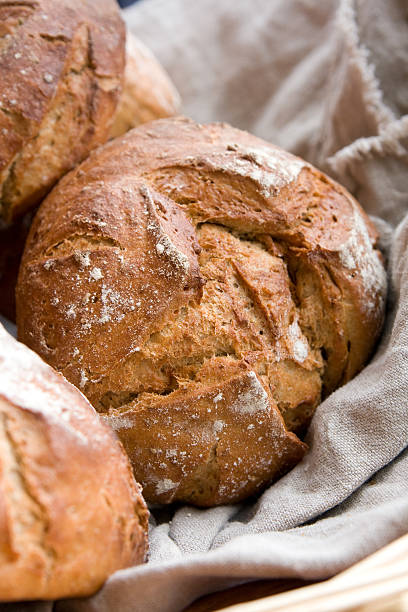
x=205 y=290
x=61 y=68
x=70 y=510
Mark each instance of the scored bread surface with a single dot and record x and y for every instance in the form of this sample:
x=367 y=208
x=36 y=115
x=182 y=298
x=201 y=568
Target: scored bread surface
x=61 y=67
x=205 y=290
x=70 y=511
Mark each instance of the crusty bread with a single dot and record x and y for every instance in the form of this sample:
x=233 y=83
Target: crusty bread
x=148 y=93
x=70 y=510
x=205 y=290
x=61 y=68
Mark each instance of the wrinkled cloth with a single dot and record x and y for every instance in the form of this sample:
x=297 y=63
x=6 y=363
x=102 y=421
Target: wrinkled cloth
x=328 y=81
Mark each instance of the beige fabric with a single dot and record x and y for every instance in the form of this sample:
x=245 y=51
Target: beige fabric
x=327 y=80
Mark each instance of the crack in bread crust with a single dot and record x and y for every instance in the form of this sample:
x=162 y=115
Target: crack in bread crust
x=181 y=354
x=28 y=516
x=66 y=78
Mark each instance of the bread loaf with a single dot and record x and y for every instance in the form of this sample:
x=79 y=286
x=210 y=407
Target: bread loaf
x=148 y=93
x=70 y=510
x=205 y=290
x=61 y=69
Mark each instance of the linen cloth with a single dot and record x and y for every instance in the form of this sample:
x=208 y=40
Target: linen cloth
x=328 y=81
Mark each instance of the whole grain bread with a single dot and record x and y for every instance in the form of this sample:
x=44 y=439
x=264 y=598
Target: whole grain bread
x=70 y=511
x=205 y=290
x=61 y=71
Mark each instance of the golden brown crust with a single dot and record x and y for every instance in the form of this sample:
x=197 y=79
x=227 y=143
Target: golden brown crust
x=123 y=263
x=217 y=442
x=148 y=93
x=70 y=511
x=61 y=66
x=286 y=292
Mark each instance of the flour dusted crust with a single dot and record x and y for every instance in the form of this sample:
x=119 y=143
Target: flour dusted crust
x=70 y=511
x=61 y=69
x=209 y=444
x=205 y=290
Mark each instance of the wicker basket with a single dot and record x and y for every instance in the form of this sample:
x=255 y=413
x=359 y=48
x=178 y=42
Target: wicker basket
x=377 y=584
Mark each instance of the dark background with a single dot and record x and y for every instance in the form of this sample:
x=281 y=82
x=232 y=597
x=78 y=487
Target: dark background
x=124 y=3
